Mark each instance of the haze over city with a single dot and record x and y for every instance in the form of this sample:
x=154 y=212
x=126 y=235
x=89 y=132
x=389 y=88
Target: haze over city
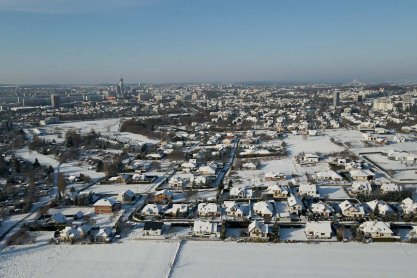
x=91 y=41
x=215 y=138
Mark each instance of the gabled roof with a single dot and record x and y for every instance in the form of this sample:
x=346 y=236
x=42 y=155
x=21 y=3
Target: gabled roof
x=106 y=202
x=153 y=225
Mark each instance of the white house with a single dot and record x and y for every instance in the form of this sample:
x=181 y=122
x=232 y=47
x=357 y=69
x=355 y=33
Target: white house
x=318 y=230
x=390 y=187
x=241 y=192
x=177 y=210
x=208 y=170
x=205 y=228
x=263 y=209
x=294 y=204
x=277 y=191
x=152 y=210
x=328 y=176
x=104 y=234
x=208 y=209
x=361 y=175
x=322 y=209
x=349 y=209
x=310 y=158
x=234 y=209
x=376 y=229
x=408 y=206
x=177 y=182
x=249 y=166
x=363 y=187
x=308 y=189
x=274 y=176
x=258 y=229
x=383 y=207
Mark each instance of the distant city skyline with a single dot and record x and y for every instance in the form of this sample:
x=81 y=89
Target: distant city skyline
x=175 y=41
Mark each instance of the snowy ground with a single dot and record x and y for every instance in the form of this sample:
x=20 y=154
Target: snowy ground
x=220 y=259
x=334 y=192
x=388 y=164
x=107 y=127
x=9 y=221
x=406 y=146
x=67 y=168
x=116 y=188
x=286 y=233
x=210 y=259
x=297 y=144
x=129 y=259
x=352 y=137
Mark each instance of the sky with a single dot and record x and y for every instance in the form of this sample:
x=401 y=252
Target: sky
x=174 y=41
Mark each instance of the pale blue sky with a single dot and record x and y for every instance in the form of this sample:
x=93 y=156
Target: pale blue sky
x=95 y=41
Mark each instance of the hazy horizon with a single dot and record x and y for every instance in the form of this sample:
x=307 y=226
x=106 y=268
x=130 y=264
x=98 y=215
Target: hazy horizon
x=183 y=41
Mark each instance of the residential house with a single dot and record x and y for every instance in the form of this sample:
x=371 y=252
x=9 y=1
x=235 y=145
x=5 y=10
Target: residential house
x=164 y=195
x=106 y=205
x=104 y=234
x=318 y=230
x=328 y=176
x=274 y=176
x=361 y=187
x=188 y=166
x=126 y=196
x=208 y=170
x=310 y=158
x=308 y=189
x=152 y=210
x=241 y=192
x=177 y=182
x=58 y=219
x=152 y=228
x=390 y=187
x=234 y=209
x=205 y=228
x=383 y=207
x=361 y=175
x=258 y=229
x=277 y=191
x=199 y=180
x=322 y=209
x=376 y=229
x=177 y=210
x=249 y=166
x=122 y=178
x=263 y=209
x=295 y=206
x=351 y=210
x=208 y=209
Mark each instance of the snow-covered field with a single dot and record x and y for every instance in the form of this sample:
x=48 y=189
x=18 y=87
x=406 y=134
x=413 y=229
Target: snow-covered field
x=297 y=144
x=114 y=189
x=66 y=168
x=107 y=127
x=221 y=259
x=128 y=259
x=388 y=164
x=352 y=137
x=210 y=259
